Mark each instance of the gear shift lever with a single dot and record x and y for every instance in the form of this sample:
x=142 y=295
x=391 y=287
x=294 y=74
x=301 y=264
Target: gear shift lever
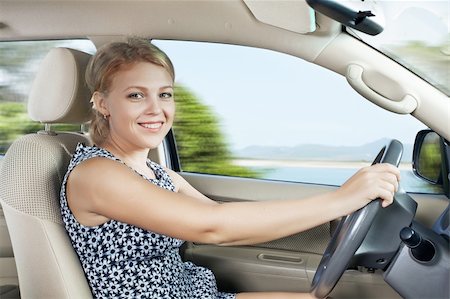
x=422 y=250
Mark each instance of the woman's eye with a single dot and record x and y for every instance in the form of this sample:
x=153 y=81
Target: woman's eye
x=165 y=95
x=136 y=96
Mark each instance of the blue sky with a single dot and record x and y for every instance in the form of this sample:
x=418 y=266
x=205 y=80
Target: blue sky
x=284 y=99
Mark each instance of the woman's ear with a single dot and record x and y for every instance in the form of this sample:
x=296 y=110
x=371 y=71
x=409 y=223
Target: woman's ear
x=99 y=103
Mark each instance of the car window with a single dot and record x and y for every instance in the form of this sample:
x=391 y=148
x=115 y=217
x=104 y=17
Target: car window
x=416 y=35
x=257 y=113
x=19 y=61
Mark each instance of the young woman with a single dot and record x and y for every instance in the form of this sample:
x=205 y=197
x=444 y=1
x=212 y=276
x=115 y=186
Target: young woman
x=128 y=216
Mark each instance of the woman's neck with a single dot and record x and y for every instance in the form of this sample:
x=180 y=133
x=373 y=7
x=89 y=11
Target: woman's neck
x=133 y=157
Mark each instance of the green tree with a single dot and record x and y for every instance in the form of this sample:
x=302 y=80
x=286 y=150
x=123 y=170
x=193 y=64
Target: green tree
x=430 y=159
x=432 y=62
x=14 y=122
x=201 y=144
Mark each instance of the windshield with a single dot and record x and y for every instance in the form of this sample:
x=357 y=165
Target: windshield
x=416 y=35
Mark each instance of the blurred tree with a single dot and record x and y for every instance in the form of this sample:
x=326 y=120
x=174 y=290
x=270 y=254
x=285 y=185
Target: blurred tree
x=432 y=62
x=18 y=63
x=16 y=67
x=14 y=122
x=430 y=159
x=201 y=145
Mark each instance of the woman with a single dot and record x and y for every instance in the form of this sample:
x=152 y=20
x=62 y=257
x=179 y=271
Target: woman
x=127 y=216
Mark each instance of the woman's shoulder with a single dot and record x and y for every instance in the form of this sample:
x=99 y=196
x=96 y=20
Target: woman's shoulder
x=92 y=155
x=93 y=174
x=83 y=152
x=96 y=173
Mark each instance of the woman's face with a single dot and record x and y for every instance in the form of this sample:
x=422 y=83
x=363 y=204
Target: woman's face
x=140 y=106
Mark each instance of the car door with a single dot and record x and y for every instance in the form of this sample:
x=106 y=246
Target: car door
x=254 y=124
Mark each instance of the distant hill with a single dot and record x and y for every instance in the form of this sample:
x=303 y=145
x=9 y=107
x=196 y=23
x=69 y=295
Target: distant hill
x=315 y=152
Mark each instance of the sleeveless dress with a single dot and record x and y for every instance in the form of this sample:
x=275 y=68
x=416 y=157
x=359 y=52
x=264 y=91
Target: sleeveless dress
x=125 y=261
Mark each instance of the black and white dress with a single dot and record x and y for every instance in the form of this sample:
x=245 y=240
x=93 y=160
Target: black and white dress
x=124 y=261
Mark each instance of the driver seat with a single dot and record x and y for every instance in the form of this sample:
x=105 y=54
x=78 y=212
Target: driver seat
x=31 y=176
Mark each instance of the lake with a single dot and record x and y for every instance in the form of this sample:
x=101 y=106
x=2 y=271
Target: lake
x=329 y=173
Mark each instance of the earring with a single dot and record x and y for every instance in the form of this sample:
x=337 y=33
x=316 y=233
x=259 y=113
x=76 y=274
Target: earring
x=105 y=117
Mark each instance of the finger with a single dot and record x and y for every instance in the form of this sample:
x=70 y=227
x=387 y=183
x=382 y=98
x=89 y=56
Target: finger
x=389 y=186
x=387 y=192
x=386 y=167
x=387 y=197
x=391 y=179
x=392 y=169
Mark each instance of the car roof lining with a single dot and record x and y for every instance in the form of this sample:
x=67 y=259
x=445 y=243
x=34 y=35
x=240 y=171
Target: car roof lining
x=228 y=22
x=294 y=15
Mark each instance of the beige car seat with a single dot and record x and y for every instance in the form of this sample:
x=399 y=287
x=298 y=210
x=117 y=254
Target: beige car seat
x=31 y=176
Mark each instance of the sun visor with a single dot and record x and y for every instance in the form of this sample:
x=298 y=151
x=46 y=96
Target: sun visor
x=293 y=15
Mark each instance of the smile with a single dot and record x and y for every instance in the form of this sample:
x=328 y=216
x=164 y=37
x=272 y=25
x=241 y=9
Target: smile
x=151 y=125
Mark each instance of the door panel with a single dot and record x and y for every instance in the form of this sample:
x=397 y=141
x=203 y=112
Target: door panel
x=253 y=268
x=287 y=264
x=429 y=207
x=258 y=269
x=227 y=188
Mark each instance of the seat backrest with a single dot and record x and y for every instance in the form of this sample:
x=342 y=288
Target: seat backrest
x=31 y=176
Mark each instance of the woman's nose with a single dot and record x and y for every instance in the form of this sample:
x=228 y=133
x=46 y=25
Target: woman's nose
x=153 y=105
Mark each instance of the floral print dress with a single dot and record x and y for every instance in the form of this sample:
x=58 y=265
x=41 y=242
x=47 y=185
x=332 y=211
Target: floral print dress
x=124 y=261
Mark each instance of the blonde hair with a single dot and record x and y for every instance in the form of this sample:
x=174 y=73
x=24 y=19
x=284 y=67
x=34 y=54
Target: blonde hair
x=109 y=60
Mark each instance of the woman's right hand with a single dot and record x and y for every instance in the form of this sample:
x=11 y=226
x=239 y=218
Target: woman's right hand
x=369 y=183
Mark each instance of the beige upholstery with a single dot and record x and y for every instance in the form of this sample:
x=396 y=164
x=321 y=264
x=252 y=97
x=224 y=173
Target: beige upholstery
x=9 y=283
x=66 y=97
x=31 y=176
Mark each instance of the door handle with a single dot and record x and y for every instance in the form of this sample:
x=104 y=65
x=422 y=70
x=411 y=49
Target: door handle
x=354 y=77
x=293 y=259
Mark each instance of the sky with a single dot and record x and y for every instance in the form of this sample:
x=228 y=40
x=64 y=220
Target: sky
x=289 y=101
x=286 y=100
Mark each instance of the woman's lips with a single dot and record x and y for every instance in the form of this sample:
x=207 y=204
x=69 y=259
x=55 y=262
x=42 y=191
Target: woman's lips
x=152 y=125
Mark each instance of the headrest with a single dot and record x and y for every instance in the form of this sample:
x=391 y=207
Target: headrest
x=59 y=93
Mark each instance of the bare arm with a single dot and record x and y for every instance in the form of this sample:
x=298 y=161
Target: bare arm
x=183 y=187
x=107 y=188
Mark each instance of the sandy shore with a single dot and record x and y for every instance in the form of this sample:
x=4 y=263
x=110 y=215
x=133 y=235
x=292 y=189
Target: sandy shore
x=310 y=164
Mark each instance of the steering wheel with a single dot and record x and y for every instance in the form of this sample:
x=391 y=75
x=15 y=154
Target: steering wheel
x=350 y=233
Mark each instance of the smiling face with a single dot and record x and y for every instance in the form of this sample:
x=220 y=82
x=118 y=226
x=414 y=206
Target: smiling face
x=139 y=105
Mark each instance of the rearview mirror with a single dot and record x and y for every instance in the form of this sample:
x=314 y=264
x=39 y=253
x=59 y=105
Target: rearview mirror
x=362 y=15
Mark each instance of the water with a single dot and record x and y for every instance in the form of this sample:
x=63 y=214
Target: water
x=337 y=176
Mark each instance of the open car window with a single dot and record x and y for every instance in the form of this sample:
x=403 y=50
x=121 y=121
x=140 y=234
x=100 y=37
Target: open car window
x=268 y=115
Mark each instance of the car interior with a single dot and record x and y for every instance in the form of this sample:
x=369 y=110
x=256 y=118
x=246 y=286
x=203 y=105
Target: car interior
x=36 y=257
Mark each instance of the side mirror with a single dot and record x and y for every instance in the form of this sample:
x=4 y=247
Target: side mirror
x=427 y=158
x=431 y=159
